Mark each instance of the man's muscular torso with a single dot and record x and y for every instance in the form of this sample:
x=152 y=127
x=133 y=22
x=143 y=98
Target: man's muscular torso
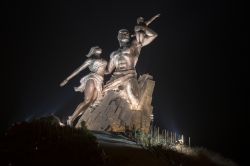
x=125 y=58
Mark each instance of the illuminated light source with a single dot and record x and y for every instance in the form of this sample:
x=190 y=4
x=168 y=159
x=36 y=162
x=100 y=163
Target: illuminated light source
x=151 y=116
x=61 y=124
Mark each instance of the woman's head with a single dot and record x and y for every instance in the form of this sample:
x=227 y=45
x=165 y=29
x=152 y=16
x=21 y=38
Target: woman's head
x=95 y=51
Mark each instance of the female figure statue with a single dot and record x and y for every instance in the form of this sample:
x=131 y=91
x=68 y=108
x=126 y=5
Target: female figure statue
x=91 y=84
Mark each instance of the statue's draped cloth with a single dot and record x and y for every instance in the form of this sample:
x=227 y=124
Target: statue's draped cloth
x=118 y=79
x=98 y=81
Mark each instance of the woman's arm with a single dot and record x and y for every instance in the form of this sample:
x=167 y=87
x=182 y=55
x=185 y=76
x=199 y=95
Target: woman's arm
x=77 y=71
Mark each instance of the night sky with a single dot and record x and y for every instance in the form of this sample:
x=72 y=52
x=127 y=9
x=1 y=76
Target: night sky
x=198 y=61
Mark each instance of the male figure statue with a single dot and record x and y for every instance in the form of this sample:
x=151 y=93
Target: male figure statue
x=124 y=60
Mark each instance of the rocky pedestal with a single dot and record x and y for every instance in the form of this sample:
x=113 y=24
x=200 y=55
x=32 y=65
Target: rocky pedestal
x=113 y=112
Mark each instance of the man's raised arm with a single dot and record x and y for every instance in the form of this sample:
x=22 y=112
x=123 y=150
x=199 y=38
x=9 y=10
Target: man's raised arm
x=148 y=36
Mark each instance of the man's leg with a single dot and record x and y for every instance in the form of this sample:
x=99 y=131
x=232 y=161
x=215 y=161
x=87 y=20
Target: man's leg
x=132 y=90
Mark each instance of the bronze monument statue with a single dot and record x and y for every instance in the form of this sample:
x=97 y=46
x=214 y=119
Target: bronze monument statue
x=124 y=102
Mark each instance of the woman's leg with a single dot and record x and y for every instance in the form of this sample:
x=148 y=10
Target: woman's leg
x=89 y=98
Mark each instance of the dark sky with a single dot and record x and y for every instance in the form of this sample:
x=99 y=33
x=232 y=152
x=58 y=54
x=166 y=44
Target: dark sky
x=198 y=61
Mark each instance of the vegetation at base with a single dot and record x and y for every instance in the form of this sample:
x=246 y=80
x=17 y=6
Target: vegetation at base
x=199 y=157
x=44 y=142
x=177 y=153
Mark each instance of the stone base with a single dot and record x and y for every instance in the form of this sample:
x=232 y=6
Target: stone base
x=113 y=111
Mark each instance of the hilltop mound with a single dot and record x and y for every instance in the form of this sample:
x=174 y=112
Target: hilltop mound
x=44 y=142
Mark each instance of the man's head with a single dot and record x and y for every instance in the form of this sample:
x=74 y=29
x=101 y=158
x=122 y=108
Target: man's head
x=123 y=36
